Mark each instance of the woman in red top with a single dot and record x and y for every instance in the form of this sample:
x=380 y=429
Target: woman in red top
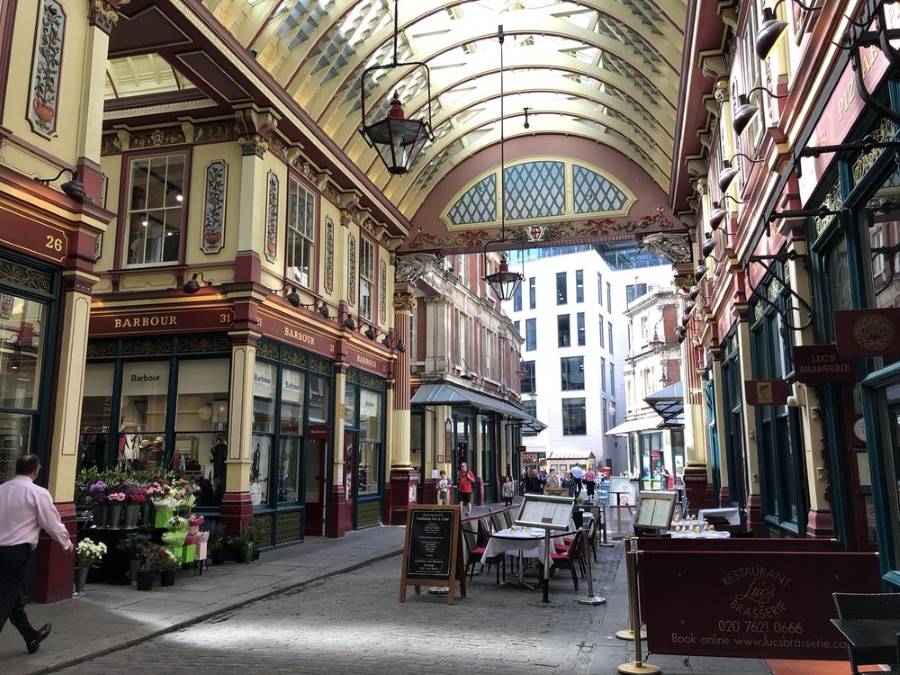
x=466 y=480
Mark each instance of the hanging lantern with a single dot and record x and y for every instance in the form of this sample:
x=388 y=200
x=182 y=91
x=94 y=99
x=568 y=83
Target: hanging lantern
x=397 y=140
x=503 y=282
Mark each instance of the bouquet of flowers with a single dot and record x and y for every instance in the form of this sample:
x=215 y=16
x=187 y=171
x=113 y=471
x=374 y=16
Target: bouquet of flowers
x=135 y=493
x=174 y=538
x=97 y=492
x=116 y=497
x=87 y=552
x=177 y=524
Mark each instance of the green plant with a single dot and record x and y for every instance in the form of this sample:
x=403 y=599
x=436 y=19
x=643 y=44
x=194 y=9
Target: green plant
x=134 y=545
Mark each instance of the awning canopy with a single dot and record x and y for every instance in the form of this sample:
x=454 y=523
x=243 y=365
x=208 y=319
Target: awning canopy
x=669 y=404
x=448 y=394
x=571 y=454
x=634 y=426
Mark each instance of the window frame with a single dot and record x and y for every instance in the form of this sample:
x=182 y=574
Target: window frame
x=366 y=239
x=580 y=330
x=294 y=177
x=562 y=294
x=563 y=332
x=123 y=218
x=564 y=372
x=579 y=286
x=532 y=293
x=566 y=428
x=531 y=323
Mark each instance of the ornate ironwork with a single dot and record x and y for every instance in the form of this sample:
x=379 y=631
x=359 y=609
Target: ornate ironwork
x=25 y=277
x=773 y=264
x=674 y=247
x=409 y=268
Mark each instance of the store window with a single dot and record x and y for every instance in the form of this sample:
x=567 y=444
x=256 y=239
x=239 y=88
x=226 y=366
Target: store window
x=154 y=213
x=23 y=325
x=366 y=278
x=201 y=425
x=778 y=432
x=96 y=415
x=364 y=442
x=265 y=376
x=301 y=234
x=574 y=417
x=572 y=373
x=143 y=410
x=734 y=425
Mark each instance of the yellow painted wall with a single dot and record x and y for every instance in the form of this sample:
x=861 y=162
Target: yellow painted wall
x=327 y=209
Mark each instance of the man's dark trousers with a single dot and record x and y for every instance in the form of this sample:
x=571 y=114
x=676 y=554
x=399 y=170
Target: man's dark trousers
x=15 y=566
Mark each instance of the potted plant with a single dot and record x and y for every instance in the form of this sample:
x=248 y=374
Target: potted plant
x=97 y=497
x=261 y=538
x=116 y=504
x=216 y=543
x=86 y=554
x=168 y=565
x=150 y=567
x=135 y=498
x=134 y=546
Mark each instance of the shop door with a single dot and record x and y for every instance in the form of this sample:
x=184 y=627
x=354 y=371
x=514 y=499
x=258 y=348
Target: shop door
x=349 y=472
x=859 y=486
x=316 y=464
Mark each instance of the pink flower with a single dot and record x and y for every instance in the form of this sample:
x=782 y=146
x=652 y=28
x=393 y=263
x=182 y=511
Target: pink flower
x=117 y=497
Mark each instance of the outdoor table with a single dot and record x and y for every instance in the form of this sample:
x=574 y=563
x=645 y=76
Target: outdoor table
x=527 y=542
x=871 y=640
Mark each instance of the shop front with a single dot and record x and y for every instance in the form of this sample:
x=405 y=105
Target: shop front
x=364 y=446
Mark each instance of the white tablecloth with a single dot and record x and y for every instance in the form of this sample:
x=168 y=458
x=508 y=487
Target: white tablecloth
x=700 y=535
x=529 y=542
x=730 y=513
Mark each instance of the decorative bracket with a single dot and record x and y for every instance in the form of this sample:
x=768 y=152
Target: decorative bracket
x=768 y=264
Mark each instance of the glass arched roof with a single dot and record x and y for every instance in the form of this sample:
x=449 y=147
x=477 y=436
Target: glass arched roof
x=607 y=70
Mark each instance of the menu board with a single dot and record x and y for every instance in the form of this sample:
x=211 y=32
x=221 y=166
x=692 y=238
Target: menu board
x=430 y=539
x=552 y=513
x=432 y=551
x=655 y=510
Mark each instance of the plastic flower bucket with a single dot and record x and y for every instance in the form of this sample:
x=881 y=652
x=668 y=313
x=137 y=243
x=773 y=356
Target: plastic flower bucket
x=161 y=516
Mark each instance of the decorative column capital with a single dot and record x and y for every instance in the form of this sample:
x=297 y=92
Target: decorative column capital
x=404 y=302
x=254 y=129
x=104 y=14
x=79 y=281
x=244 y=338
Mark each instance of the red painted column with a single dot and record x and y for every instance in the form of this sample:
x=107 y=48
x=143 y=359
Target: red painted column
x=54 y=567
x=404 y=478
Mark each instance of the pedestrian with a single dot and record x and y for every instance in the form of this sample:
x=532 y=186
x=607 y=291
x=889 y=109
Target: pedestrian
x=533 y=483
x=577 y=476
x=590 y=482
x=552 y=480
x=443 y=489
x=508 y=490
x=465 y=485
x=26 y=510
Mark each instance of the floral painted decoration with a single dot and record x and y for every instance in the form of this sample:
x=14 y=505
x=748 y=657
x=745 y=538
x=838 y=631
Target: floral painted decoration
x=351 y=270
x=272 y=217
x=382 y=302
x=329 y=255
x=214 y=207
x=46 y=68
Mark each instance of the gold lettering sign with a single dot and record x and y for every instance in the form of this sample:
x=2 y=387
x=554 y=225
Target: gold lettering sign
x=298 y=336
x=153 y=321
x=366 y=361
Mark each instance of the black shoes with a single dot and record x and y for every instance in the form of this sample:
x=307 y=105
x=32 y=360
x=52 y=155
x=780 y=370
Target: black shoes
x=42 y=633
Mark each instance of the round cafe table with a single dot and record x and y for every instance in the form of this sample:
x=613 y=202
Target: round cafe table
x=526 y=542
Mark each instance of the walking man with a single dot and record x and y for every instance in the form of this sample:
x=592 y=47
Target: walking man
x=466 y=483
x=25 y=510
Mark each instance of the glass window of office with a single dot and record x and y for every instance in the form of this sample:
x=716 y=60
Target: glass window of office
x=600 y=289
x=574 y=417
x=563 y=331
x=530 y=407
x=528 y=385
x=22 y=326
x=572 y=373
x=562 y=291
x=532 y=293
x=517 y=299
x=530 y=335
x=608 y=297
x=154 y=215
x=602 y=334
x=609 y=336
x=580 y=328
x=579 y=285
x=612 y=378
x=301 y=234
x=602 y=374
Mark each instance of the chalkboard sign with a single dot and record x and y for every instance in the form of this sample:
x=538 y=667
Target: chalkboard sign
x=432 y=552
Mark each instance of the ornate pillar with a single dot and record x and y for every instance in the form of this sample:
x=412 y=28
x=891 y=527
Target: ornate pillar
x=236 y=509
x=753 y=509
x=404 y=478
x=53 y=566
x=339 y=509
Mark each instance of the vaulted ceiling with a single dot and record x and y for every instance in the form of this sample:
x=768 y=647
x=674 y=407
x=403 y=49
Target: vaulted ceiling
x=606 y=70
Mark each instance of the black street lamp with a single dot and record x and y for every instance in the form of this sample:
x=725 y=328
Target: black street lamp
x=397 y=140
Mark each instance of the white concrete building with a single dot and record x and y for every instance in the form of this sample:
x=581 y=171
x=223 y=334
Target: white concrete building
x=570 y=314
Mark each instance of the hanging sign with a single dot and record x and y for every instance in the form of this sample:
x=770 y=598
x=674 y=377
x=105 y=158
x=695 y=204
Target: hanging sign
x=867 y=332
x=766 y=392
x=432 y=552
x=821 y=364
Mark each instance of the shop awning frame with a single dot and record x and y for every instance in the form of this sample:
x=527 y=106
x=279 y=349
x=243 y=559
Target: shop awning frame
x=649 y=423
x=448 y=394
x=669 y=405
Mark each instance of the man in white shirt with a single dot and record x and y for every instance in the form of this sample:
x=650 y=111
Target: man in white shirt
x=577 y=475
x=25 y=510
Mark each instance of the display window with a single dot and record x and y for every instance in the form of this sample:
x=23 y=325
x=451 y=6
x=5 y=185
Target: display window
x=26 y=318
x=364 y=416
x=168 y=412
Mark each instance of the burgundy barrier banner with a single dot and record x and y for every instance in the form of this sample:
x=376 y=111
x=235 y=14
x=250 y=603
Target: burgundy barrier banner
x=738 y=544
x=749 y=605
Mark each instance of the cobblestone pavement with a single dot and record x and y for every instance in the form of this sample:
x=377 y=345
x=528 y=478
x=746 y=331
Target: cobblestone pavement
x=352 y=623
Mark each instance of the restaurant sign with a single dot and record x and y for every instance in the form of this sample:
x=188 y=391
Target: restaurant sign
x=821 y=364
x=755 y=604
x=766 y=392
x=867 y=332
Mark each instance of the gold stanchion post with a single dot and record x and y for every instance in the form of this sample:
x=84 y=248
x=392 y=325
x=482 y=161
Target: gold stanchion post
x=636 y=667
x=628 y=633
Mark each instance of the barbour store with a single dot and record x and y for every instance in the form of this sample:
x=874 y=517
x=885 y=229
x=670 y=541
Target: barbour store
x=364 y=451
x=291 y=441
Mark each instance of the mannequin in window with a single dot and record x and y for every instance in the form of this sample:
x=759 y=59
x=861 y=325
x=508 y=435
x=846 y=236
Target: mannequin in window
x=129 y=443
x=254 y=467
x=217 y=457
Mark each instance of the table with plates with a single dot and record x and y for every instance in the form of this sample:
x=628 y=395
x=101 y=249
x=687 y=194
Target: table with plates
x=527 y=542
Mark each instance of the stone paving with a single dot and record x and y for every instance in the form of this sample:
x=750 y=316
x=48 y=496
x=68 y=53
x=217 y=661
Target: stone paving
x=352 y=622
